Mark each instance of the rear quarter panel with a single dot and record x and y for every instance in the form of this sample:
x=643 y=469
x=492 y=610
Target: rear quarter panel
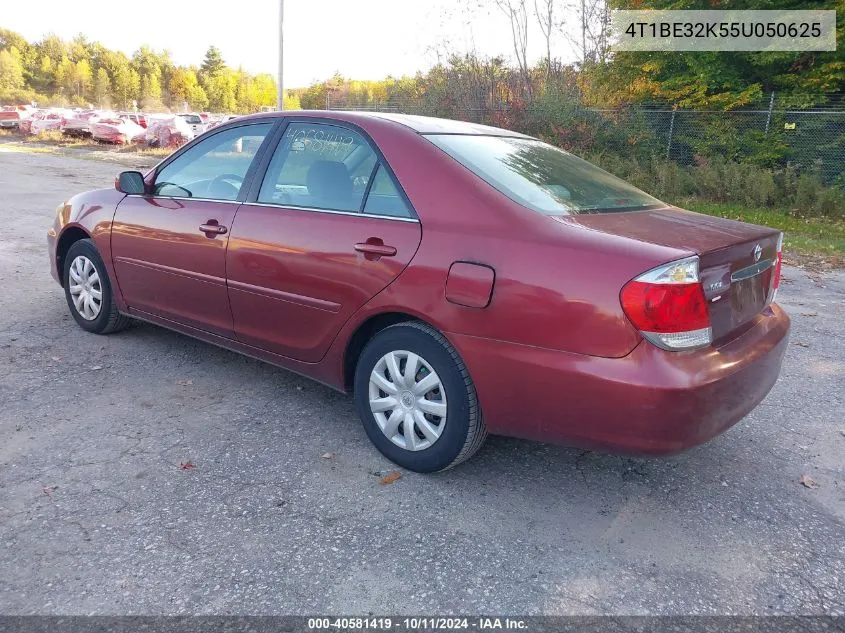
x=556 y=283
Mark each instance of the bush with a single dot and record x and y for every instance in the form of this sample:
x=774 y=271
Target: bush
x=716 y=180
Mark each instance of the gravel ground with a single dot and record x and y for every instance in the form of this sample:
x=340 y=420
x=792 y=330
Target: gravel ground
x=98 y=516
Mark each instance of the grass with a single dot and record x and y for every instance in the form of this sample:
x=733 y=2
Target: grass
x=54 y=140
x=812 y=236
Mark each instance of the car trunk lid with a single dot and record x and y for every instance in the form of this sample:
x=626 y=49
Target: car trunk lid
x=736 y=260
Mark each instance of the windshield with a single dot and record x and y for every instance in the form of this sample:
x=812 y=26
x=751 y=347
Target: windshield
x=542 y=177
x=192 y=118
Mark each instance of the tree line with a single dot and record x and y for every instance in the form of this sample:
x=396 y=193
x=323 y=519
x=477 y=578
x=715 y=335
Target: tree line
x=82 y=73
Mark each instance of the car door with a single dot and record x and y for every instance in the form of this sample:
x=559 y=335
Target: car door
x=169 y=247
x=309 y=248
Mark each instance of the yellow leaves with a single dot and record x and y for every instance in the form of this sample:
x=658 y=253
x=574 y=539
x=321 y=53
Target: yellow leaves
x=390 y=478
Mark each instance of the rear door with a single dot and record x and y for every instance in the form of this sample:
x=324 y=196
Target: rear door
x=327 y=229
x=169 y=247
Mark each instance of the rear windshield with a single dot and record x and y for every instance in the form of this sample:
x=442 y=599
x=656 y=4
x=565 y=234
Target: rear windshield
x=192 y=118
x=542 y=177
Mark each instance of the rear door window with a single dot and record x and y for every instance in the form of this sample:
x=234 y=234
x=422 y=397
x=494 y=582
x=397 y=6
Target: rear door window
x=319 y=166
x=384 y=198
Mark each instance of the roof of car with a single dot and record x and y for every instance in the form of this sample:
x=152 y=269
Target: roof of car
x=434 y=125
x=419 y=124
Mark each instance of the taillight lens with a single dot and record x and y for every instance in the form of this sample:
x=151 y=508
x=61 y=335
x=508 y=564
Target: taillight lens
x=773 y=289
x=668 y=307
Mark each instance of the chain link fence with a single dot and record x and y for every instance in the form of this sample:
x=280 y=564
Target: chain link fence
x=809 y=139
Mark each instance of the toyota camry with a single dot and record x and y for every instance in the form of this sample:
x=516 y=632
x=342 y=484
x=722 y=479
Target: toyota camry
x=457 y=279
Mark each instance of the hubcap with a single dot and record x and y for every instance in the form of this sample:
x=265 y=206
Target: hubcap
x=408 y=400
x=85 y=288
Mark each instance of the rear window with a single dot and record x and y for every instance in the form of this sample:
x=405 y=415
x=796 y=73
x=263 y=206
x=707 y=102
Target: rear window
x=542 y=177
x=192 y=118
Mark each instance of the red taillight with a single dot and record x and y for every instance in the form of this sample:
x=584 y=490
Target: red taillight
x=668 y=307
x=665 y=307
x=775 y=284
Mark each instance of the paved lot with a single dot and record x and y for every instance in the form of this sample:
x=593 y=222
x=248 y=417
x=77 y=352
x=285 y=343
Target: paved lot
x=96 y=515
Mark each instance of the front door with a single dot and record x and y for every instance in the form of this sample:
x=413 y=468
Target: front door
x=169 y=248
x=327 y=231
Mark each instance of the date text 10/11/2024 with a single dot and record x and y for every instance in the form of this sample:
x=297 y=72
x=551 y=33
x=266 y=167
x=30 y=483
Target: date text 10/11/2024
x=416 y=624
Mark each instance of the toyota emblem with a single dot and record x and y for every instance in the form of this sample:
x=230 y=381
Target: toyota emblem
x=758 y=252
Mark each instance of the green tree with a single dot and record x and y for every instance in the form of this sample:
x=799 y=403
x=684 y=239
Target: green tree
x=213 y=63
x=82 y=78
x=715 y=80
x=102 y=87
x=11 y=70
x=53 y=47
x=222 y=91
x=79 y=49
x=9 y=39
x=65 y=76
x=266 y=90
x=124 y=88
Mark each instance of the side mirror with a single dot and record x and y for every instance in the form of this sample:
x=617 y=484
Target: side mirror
x=131 y=182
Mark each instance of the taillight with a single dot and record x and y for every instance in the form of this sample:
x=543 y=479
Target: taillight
x=773 y=289
x=668 y=307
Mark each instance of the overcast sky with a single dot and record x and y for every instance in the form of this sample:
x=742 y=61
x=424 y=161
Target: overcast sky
x=361 y=39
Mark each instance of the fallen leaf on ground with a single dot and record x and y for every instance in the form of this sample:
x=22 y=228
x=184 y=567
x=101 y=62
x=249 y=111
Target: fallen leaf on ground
x=801 y=344
x=186 y=465
x=184 y=382
x=390 y=478
x=809 y=314
x=56 y=358
x=809 y=482
x=49 y=490
x=96 y=368
x=327 y=455
x=842 y=431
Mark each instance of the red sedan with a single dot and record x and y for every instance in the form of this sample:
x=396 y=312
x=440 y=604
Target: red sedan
x=458 y=279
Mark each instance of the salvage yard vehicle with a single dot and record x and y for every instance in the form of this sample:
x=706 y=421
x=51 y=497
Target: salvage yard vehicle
x=459 y=279
x=11 y=116
x=78 y=123
x=51 y=120
x=116 y=129
x=195 y=121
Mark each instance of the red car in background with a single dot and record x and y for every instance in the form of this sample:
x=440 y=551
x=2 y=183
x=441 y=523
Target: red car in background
x=458 y=279
x=12 y=116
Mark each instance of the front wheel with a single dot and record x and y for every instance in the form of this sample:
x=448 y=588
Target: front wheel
x=416 y=399
x=88 y=290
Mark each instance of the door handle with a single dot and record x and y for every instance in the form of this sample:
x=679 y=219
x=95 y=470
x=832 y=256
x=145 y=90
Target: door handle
x=375 y=248
x=212 y=228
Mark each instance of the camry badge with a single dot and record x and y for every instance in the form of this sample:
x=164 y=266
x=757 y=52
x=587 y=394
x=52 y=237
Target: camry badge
x=758 y=252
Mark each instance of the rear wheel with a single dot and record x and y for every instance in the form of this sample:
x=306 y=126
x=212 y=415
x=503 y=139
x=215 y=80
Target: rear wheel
x=416 y=399
x=88 y=290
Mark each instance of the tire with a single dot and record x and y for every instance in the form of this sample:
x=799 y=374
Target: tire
x=102 y=319
x=447 y=440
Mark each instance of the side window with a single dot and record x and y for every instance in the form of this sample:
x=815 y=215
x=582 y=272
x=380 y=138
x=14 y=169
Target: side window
x=384 y=198
x=214 y=168
x=319 y=166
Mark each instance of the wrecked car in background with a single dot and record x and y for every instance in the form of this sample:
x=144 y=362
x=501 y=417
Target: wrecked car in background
x=119 y=130
x=11 y=116
x=167 y=130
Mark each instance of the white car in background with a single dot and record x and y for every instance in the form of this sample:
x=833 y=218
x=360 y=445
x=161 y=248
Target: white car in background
x=195 y=121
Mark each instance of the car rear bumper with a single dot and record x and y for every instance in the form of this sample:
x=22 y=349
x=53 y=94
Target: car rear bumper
x=649 y=402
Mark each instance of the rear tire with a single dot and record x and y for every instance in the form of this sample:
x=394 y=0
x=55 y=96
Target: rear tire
x=425 y=419
x=88 y=290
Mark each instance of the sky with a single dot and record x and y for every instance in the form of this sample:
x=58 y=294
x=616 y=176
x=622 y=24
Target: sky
x=361 y=39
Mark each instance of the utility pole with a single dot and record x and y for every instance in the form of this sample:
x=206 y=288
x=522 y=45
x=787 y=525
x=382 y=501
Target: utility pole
x=280 y=99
